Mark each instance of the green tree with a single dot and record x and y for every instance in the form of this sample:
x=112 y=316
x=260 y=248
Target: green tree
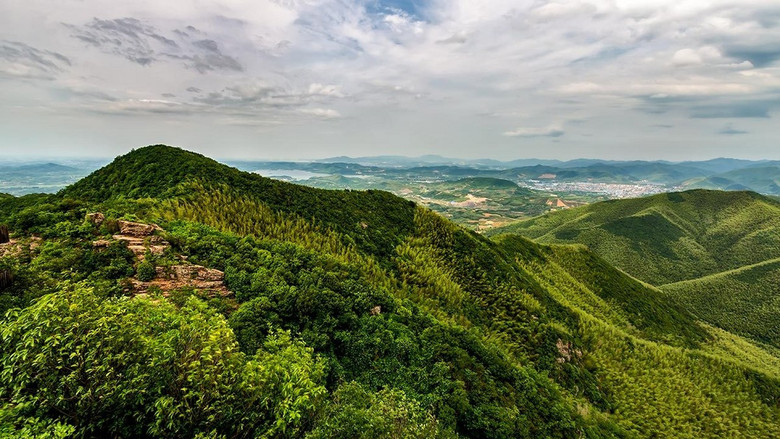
x=387 y=414
x=143 y=367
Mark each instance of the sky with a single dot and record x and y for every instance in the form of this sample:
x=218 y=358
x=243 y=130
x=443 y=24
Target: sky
x=306 y=79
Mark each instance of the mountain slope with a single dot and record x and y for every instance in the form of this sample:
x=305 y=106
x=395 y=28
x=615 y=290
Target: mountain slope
x=403 y=311
x=375 y=220
x=745 y=301
x=668 y=237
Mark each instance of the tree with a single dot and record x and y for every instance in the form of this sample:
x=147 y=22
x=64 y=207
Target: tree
x=142 y=367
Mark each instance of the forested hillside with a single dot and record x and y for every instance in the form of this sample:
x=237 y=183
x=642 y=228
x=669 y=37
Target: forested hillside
x=668 y=237
x=745 y=301
x=258 y=308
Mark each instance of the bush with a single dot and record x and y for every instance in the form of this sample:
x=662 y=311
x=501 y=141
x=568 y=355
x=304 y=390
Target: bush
x=146 y=271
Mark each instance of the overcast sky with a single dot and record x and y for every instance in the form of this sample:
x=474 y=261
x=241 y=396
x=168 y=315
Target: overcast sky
x=296 y=79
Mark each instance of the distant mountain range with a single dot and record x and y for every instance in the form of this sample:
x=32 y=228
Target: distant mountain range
x=717 y=165
x=722 y=173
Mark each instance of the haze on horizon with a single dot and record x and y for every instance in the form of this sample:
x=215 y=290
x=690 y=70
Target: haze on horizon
x=292 y=79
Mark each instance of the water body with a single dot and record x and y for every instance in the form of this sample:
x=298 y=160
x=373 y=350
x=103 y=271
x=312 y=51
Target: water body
x=289 y=174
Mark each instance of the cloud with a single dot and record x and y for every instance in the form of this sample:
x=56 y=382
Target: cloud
x=144 y=44
x=549 y=131
x=316 y=89
x=324 y=113
x=759 y=55
x=127 y=37
x=416 y=72
x=730 y=131
x=22 y=60
x=757 y=109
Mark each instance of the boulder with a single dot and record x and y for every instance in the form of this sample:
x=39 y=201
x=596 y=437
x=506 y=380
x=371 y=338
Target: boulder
x=101 y=243
x=96 y=218
x=138 y=230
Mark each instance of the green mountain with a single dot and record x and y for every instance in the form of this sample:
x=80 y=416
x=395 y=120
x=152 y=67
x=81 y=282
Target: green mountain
x=260 y=308
x=668 y=237
x=763 y=179
x=714 y=252
x=745 y=301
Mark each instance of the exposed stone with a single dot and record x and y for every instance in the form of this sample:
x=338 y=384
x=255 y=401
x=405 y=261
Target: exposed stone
x=139 y=246
x=101 y=243
x=96 y=218
x=10 y=248
x=138 y=230
x=375 y=311
x=182 y=276
x=567 y=351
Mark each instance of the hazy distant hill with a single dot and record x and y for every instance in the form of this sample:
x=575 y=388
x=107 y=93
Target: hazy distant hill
x=763 y=179
x=723 y=164
x=37 y=167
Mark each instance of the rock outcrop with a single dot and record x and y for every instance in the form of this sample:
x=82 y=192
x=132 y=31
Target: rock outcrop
x=96 y=218
x=139 y=237
x=175 y=277
x=137 y=230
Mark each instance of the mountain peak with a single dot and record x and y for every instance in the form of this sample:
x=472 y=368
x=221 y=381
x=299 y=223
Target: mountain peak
x=149 y=171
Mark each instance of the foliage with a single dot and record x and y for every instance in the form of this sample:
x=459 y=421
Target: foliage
x=668 y=237
x=140 y=367
x=361 y=414
x=164 y=172
x=751 y=308
x=146 y=271
x=351 y=313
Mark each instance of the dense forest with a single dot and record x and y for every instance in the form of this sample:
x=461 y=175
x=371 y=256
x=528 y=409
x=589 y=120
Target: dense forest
x=669 y=237
x=713 y=252
x=167 y=295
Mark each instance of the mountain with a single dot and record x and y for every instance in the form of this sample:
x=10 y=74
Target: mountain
x=168 y=295
x=713 y=252
x=36 y=167
x=720 y=165
x=745 y=300
x=668 y=237
x=763 y=179
x=165 y=173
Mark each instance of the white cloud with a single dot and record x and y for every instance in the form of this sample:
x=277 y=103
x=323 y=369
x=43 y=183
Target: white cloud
x=612 y=64
x=324 y=113
x=548 y=131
